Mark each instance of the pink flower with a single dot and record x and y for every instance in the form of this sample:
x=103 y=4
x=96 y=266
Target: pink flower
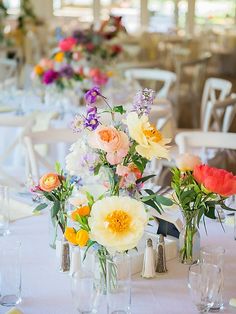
x=129 y=175
x=187 y=162
x=67 y=44
x=115 y=143
x=99 y=78
x=215 y=180
x=122 y=170
x=46 y=64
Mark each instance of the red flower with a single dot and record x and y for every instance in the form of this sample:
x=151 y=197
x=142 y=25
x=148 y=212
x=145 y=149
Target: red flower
x=218 y=181
x=90 y=47
x=116 y=49
x=67 y=44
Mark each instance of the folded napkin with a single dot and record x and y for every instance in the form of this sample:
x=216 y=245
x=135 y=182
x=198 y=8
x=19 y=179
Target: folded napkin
x=4 y=109
x=14 y=310
x=19 y=209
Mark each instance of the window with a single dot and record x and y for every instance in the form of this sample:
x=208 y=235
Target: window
x=82 y=9
x=13 y=6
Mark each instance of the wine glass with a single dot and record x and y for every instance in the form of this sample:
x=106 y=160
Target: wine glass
x=204 y=282
x=84 y=291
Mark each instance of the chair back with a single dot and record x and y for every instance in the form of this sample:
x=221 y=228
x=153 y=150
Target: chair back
x=166 y=77
x=50 y=136
x=211 y=88
x=199 y=139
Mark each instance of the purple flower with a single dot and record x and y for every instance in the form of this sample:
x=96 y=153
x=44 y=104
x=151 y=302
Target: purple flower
x=143 y=101
x=91 y=95
x=92 y=119
x=50 y=76
x=89 y=160
x=77 y=124
x=66 y=71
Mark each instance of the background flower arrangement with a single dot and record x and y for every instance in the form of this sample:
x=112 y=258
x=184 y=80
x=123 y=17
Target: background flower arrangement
x=198 y=190
x=87 y=51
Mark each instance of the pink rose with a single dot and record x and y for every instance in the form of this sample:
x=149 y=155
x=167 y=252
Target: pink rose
x=67 y=44
x=115 y=143
x=46 y=64
x=187 y=162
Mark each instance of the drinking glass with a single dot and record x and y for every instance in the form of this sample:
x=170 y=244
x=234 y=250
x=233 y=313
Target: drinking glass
x=204 y=281
x=215 y=255
x=118 y=273
x=10 y=272
x=85 y=291
x=4 y=210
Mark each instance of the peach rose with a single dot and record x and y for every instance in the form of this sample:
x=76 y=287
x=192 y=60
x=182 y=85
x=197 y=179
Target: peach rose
x=187 y=162
x=115 y=143
x=49 y=182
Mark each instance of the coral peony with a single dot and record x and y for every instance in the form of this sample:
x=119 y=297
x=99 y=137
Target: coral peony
x=49 y=182
x=187 y=162
x=215 y=180
x=67 y=44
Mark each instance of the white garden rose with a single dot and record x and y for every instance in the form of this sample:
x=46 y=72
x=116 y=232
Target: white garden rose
x=117 y=222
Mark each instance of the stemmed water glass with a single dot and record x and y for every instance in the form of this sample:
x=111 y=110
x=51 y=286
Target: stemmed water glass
x=204 y=282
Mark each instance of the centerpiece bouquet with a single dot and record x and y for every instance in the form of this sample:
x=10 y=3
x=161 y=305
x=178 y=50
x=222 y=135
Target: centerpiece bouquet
x=118 y=149
x=84 y=55
x=199 y=189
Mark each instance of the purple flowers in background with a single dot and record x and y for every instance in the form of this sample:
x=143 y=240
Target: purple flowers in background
x=92 y=119
x=66 y=71
x=143 y=101
x=91 y=95
x=50 y=76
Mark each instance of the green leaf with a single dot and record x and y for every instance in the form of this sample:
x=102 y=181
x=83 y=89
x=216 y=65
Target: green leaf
x=55 y=209
x=91 y=243
x=164 y=200
x=119 y=109
x=90 y=199
x=40 y=207
x=143 y=179
x=97 y=168
x=58 y=167
x=152 y=204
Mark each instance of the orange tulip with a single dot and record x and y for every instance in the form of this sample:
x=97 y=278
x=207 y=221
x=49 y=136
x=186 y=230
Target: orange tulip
x=82 y=237
x=49 y=182
x=70 y=235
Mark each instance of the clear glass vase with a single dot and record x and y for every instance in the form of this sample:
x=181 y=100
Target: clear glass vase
x=57 y=223
x=189 y=238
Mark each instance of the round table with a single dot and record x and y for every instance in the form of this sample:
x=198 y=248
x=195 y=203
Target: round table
x=47 y=291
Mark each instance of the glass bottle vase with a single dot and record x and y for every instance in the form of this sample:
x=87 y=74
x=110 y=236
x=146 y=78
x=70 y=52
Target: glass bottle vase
x=189 y=238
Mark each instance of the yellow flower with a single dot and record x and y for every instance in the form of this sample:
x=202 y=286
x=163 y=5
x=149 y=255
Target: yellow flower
x=151 y=143
x=82 y=237
x=70 y=235
x=80 y=211
x=117 y=222
x=59 y=57
x=38 y=70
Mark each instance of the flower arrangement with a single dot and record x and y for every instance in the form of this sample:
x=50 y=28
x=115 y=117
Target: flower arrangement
x=84 y=55
x=198 y=190
x=56 y=188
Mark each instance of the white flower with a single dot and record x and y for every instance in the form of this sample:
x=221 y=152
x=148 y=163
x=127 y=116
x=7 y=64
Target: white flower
x=117 y=222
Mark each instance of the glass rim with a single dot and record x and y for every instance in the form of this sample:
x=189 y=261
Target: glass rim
x=210 y=249
x=203 y=264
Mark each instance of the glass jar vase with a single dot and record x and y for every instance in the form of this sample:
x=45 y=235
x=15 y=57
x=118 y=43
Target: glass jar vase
x=189 y=238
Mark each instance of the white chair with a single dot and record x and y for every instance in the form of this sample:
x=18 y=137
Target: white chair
x=211 y=88
x=217 y=140
x=166 y=77
x=13 y=152
x=50 y=136
x=222 y=113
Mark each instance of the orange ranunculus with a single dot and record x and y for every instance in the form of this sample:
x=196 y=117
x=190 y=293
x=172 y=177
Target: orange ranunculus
x=82 y=237
x=49 y=182
x=215 y=180
x=81 y=211
x=70 y=235
x=38 y=70
x=59 y=57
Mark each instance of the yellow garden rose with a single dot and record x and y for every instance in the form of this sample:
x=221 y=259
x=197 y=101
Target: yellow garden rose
x=70 y=235
x=117 y=222
x=151 y=143
x=82 y=237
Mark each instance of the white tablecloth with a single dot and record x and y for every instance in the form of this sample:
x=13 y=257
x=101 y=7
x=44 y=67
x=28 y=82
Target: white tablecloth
x=47 y=291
